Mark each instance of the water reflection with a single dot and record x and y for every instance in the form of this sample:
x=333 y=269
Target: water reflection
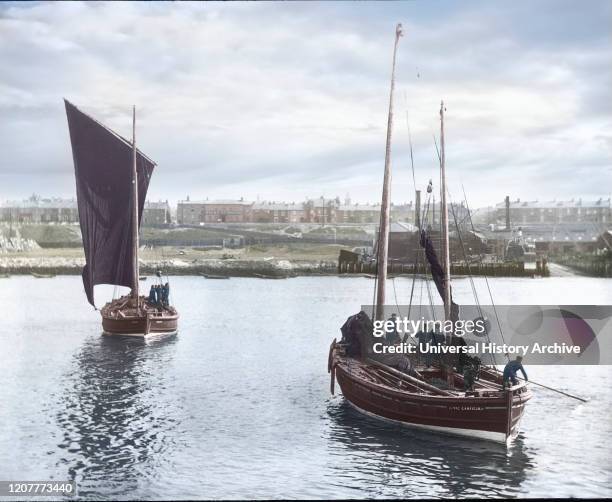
x=116 y=420
x=399 y=462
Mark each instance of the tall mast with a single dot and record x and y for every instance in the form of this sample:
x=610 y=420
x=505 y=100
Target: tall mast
x=444 y=216
x=383 y=233
x=136 y=272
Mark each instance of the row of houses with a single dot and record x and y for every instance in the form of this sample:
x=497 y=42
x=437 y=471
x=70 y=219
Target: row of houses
x=36 y=210
x=323 y=211
x=508 y=214
x=552 y=212
x=56 y=210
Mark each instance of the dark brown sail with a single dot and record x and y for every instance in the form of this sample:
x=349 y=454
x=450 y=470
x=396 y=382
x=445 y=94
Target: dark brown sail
x=103 y=171
x=437 y=271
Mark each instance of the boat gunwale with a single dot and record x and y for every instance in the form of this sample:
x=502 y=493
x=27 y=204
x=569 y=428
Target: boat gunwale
x=517 y=398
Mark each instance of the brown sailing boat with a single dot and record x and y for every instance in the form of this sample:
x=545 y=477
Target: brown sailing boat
x=112 y=179
x=401 y=390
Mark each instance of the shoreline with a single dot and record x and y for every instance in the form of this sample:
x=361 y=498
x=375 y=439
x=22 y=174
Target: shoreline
x=231 y=267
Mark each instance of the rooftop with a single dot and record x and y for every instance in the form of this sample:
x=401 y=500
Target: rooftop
x=31 y=203
x=574 y=203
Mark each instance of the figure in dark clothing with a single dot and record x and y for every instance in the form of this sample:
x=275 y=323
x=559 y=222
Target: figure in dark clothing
x=469 y=377
x=471 y=372
x=158 y=295
x=510 y=371
x=357 y=334
x=152 y=295
x=426 y=340
x=392 y=337
x=165 y=294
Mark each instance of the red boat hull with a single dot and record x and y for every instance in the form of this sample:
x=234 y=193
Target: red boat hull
x=140 y=326
x=487 y=415
x=122 y=319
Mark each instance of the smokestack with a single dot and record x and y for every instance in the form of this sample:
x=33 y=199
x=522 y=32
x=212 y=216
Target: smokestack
x=417 y=209
x=507 y=212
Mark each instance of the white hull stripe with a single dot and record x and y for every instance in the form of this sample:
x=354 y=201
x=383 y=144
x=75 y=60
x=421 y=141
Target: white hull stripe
x=498 y=437
x=142 y=335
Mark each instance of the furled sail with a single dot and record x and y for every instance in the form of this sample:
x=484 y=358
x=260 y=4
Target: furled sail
x=437 y=272
x=103 y=171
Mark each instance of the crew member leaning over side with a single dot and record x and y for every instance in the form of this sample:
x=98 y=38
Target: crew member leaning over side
x=510 y=371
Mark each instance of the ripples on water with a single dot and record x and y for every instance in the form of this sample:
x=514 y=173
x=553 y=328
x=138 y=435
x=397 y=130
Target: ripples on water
x=115 y=423
x=238 y=405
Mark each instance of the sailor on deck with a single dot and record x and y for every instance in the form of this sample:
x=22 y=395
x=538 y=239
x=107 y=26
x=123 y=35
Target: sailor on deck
x=165 y=295
x=153 y=295
x=392 y=337
x=510 y=371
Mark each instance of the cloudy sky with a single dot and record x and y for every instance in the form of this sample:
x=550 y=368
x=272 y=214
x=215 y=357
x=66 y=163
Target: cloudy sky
x=287 y=100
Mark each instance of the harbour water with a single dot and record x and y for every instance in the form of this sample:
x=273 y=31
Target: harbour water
x=238 y=405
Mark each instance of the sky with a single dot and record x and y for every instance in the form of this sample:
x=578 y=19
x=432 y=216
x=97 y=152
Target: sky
x=283 y=101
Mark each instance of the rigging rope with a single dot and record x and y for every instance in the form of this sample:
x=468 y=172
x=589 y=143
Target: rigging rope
x=484 y=274
x=417 y=254
x=470 y=275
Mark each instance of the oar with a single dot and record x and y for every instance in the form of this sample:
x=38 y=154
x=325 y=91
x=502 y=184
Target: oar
x=554 y=390
x=546 y=387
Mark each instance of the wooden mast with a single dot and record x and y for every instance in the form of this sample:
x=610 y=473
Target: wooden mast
x=135 y=244
x=444 y=217
x=383 y=232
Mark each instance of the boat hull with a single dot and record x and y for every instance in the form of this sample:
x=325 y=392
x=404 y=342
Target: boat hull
x=496 y=437
x=140 y=326
x=493 y=416
x=122 y=318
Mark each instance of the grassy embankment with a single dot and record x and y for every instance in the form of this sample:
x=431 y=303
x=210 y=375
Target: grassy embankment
x=61 y=253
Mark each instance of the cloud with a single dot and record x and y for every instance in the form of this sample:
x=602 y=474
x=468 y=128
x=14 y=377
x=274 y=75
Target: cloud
x=284 y=100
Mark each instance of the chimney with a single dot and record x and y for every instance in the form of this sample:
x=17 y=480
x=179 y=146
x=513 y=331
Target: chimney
x=507 y=212
x=417 y=209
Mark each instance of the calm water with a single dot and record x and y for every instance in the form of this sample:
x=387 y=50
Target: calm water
x=238 y=405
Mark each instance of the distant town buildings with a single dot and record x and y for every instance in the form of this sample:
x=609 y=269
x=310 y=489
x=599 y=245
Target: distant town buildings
x=321 y=210
x=550 y=228
x=37 y=210
x=552 y=212
x=274 y=212
x=156 y=213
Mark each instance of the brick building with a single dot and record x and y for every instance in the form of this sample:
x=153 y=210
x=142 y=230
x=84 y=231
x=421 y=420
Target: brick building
x=278 y=212
x=39 y=210
x=215 y=211
x=156 y=213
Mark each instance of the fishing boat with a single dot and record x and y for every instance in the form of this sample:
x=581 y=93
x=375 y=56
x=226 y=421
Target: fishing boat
x=402 y=389
x=274 y=276
x=42 y=276
x=212 y=276
x=112 y=178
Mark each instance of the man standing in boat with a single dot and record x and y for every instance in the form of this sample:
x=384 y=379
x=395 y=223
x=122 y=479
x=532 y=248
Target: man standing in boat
x=510 y=371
